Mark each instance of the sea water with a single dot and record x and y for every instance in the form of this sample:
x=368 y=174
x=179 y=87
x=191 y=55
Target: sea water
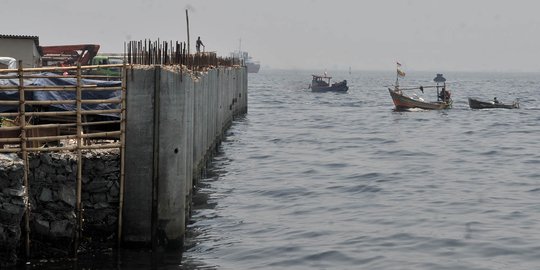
x=342 y=181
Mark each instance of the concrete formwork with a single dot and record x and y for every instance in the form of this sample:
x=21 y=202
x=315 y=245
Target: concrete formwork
x=174 y=122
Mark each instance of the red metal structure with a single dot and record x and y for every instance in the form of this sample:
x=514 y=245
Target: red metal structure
x=68 y=54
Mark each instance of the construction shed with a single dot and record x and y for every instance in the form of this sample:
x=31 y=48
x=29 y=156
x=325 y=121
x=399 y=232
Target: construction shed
x=25 y=48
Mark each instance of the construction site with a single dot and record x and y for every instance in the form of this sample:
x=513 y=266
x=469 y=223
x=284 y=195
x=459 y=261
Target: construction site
x=102 y=151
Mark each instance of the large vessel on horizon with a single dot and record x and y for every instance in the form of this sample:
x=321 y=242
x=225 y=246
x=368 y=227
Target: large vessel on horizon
x=253 y=66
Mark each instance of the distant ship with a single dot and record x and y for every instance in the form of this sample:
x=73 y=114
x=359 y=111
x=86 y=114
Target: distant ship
x=253 y=66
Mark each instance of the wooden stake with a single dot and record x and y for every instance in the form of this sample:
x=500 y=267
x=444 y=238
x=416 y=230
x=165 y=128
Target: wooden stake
x=79 y=161
x=122 y=155
x=22 y=123
x=187 y=24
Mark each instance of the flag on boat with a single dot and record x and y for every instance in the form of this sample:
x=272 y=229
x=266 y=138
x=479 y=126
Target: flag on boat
x=400 y=73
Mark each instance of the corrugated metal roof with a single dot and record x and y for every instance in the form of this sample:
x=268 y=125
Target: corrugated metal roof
x=35 y=38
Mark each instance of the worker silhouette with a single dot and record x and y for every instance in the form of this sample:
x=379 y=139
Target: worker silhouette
x=198 y=45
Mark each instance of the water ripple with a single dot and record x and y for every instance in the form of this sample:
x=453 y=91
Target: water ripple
x=341 y=181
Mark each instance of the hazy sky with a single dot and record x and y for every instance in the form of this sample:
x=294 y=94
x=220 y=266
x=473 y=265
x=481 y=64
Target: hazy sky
x=463 y=35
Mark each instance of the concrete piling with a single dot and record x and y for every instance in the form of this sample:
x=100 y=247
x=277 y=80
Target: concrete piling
x=193 y=112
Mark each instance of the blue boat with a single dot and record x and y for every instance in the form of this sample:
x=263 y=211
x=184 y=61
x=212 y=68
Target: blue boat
x=321 y=83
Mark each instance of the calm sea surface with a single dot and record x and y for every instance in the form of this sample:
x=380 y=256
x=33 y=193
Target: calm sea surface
x=341 y=181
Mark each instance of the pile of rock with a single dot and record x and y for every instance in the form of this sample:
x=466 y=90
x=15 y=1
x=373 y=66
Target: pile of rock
x=100 y=197
x=12 y=205
x=52 y=194
x=52 y=187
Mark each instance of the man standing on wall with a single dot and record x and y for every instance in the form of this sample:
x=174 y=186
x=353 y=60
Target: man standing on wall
x=198 y=46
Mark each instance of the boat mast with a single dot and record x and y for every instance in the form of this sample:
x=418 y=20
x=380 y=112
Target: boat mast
x=240 y=46
x=397 y=76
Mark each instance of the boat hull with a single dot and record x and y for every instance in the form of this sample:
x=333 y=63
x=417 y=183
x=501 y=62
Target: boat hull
x=404 y=103
x=477 y=104
x=336 y=87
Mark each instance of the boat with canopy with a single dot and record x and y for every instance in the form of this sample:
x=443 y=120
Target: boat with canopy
x=411 y=100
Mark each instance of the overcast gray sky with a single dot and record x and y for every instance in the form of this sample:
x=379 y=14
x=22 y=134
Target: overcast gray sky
x=460 y=35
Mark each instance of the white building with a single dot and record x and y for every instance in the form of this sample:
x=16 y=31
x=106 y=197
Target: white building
x=25 y=48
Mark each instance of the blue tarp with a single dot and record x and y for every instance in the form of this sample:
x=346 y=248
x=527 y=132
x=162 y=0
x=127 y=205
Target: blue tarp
x=61 y=95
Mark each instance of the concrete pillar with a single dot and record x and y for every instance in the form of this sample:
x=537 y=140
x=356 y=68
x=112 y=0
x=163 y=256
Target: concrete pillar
x=172 y=155
x=139 y=156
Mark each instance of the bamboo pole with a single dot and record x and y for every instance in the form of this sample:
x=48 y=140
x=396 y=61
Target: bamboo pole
x=50 y=102
x=111 y=111
x=101 y=101
x=10 y=150
x=102 y=146
x=9 y=102
x=102 y=123
x=51 y=88
x=79 y=160
x=50 y=126
x=96 y=88
x=22 y=123
x=67 y=102
x=52 y=138
x=64 y=113
x=33 y=76
x=9 y=114
x=9 y=128
x=122 y=155
x=69 y=148
x=101 y=77
x=62 y=148
x=59 y=69
x=9 y=88
x=10 y=140
x=52 y=149
x=87 y=87
x=102 y=134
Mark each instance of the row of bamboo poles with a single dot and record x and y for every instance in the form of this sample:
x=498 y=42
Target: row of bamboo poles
x=17 y=136
x=149 y=52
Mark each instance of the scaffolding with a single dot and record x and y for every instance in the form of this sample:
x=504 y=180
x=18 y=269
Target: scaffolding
x=21 y=134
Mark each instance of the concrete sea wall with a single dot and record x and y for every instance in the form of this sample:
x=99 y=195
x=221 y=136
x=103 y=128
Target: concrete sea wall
x=175 y=119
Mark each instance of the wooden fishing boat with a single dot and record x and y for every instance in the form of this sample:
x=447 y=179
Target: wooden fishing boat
x=478 y=104
x=403 y=102
x=321 y=83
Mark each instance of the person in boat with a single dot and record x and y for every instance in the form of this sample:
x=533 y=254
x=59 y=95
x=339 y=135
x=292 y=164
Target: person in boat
x=444 y=95
x=495 y=100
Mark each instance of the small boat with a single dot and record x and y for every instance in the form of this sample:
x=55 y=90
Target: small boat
x=478 y=104
x=412 y=101
x=321 y=83
x=403 y=102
